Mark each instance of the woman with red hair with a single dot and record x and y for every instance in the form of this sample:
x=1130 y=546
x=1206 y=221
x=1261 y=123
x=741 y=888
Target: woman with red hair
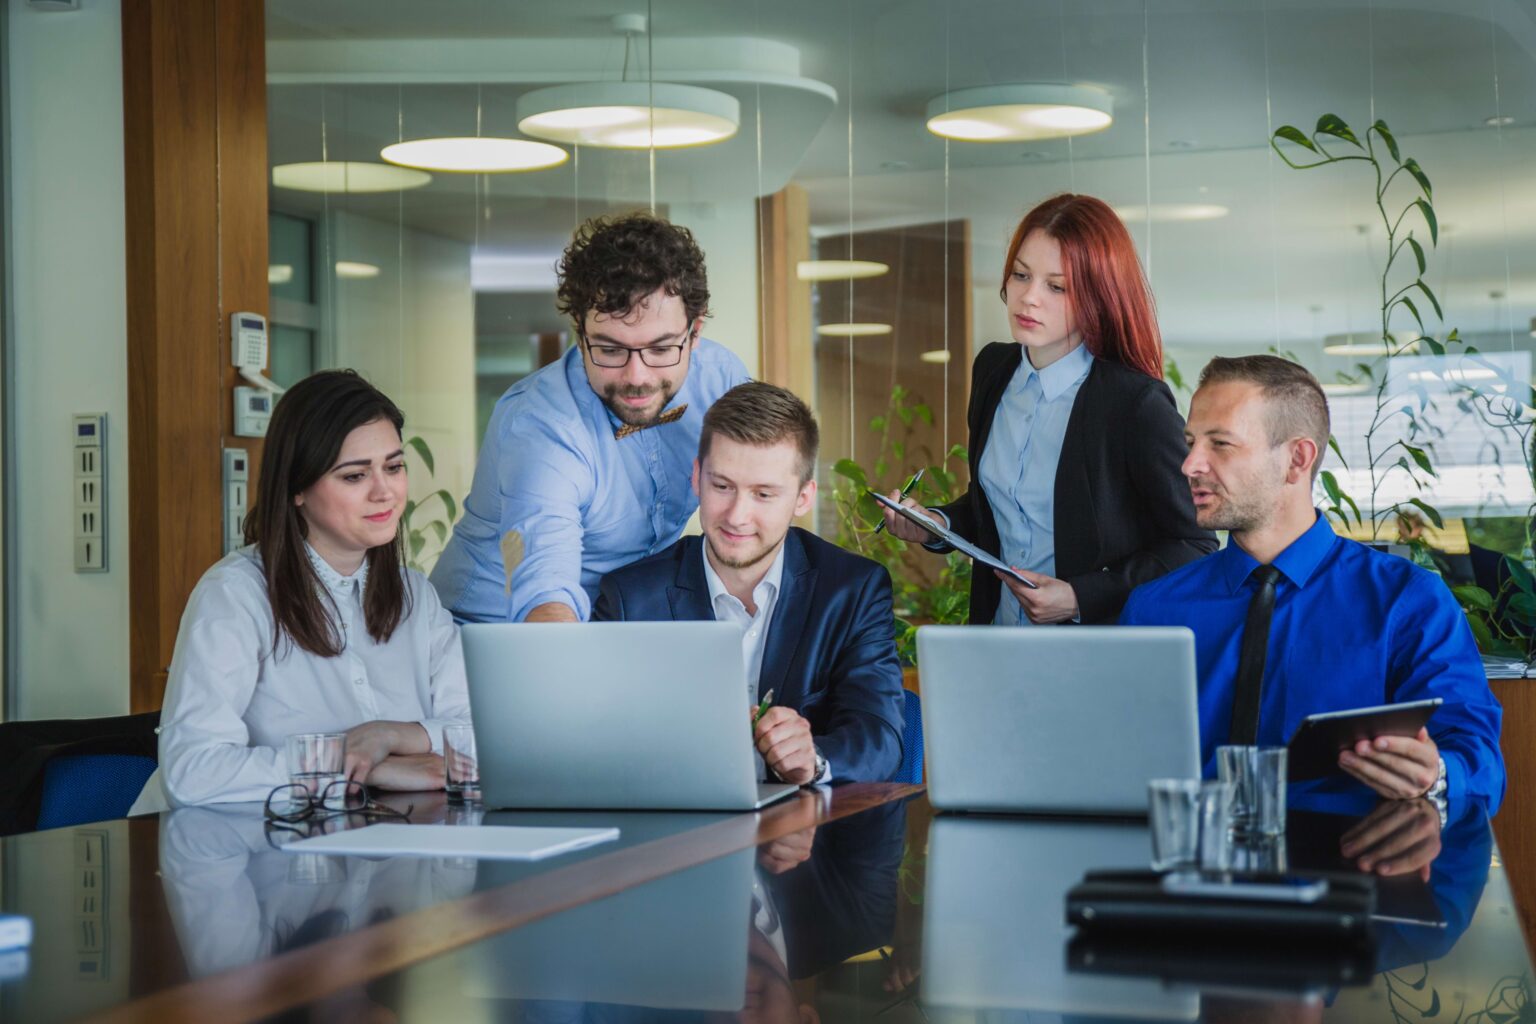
x=1076 y=443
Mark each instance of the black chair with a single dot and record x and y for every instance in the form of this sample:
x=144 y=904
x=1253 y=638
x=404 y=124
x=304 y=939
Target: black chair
x=85 y=765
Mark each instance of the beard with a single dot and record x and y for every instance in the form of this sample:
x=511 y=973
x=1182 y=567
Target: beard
x=614 y=394
x=1232 y=514
x=745 y=561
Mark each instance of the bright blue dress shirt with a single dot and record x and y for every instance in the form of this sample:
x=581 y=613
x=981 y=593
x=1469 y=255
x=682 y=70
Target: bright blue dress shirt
x=557 y=501
x=1018 y=466
x=1352 y=627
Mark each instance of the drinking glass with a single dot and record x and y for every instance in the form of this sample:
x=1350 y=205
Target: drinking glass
x=1190 y=822
x=1258 y=778
x=460 y=761
x=317 y=759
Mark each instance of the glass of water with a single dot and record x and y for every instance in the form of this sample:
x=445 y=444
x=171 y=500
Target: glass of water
x=463 y=769
x=1190 y=822
x=315 y=760
x=1258 y=777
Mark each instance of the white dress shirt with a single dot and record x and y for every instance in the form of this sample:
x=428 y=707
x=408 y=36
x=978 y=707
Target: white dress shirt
x=230 y=702
x=754 y=628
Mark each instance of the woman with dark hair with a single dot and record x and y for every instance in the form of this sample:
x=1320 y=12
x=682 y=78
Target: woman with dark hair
x=316 y=625
x=1076 y=443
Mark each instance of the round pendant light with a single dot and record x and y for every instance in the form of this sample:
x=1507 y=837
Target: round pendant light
x=1025 y=112
x=354 y=270
x=475 y=155
x=853 y=330
x=1167 y=212
x=623 y=115
x=351 y=176
x=937 y=355
x=839 y=270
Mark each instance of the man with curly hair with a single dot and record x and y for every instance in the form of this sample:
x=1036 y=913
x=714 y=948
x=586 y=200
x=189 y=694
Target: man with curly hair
x=585 y=466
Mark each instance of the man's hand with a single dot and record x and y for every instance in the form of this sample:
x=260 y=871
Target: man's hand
x=408 y=772
x=1396 y=767
x=784 y=740
x=787 y=851
x=552 y=611
x=1397 y=838
x=370 y=743
x=1054 y=601
x=899 y=526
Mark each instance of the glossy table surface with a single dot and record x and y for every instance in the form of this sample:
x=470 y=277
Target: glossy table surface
x=858 y=904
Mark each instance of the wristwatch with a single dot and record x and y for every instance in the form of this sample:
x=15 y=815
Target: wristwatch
x=1436 y=793
x=822 y=767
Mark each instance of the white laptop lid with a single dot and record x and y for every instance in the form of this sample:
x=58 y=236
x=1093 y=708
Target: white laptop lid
x=1056 y=719
x=647 y=715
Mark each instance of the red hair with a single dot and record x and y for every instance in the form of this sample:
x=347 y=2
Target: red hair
x=1110 y=298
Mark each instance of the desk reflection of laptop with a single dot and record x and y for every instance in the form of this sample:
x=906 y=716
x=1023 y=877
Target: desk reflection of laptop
x=642 y=715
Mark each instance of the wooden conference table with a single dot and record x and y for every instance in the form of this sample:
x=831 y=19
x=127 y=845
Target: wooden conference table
x=858 y=904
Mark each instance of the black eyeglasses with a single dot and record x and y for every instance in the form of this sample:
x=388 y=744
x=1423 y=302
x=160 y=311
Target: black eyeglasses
x=290 y=804
x=616 y=357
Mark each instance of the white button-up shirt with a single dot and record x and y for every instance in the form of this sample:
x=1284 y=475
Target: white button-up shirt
x=231 y=702
x=754 y=628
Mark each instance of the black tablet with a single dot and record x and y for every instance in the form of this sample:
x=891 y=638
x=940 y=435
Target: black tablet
x=1314 y=750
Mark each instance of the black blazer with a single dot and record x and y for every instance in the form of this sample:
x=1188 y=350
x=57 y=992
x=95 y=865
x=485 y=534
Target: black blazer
x=1123 y=511
x=830 y=652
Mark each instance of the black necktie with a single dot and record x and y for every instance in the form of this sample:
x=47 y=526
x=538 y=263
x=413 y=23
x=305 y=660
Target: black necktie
x=1250 y=663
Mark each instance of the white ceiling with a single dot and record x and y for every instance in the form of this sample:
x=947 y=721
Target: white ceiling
x=1288 y=265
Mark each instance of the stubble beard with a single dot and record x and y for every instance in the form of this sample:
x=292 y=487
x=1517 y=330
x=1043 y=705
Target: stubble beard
x=615 y=393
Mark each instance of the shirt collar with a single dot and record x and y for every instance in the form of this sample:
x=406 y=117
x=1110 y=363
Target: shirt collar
x=766 y=589
x=335 y=582
x=1060 y=375
x=1297 y=562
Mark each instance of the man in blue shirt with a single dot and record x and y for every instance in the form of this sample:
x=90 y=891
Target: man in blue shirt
x=1348 y=626
x=585 y=465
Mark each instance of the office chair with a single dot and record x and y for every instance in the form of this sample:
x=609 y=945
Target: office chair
x=81 y=788
x=911 y=770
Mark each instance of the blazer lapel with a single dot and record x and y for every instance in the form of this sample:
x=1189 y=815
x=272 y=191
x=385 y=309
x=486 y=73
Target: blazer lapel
x=991 y=393
x=786 y=633
x=688 y=596
x=1076 y=520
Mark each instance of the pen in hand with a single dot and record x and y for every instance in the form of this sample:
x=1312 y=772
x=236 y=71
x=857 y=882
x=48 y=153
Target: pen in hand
x=761 y=708
x=904 y=492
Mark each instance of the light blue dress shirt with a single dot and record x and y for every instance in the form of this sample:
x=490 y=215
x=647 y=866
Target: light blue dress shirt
x=1018 y=467
x=557 y=501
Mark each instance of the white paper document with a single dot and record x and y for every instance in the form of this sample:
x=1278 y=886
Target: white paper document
x=485 y=842
x=951 y=538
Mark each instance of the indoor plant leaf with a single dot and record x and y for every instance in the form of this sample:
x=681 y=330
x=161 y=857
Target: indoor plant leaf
x=1412 y=167
x=1386 y=136
x=1418 y=253
x=1333 y=124
x=424 y=452
x=1296 y=135
x=1429 y=218
x=1430 y=511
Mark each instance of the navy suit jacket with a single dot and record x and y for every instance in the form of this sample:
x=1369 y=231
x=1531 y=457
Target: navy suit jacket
x=830 y=653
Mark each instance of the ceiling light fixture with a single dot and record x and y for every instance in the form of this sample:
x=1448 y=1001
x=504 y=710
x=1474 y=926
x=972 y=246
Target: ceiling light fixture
x=471 y=155
x=938 y=355
x=628 y=115
x=355 y=271
x=839 y=270
x=279 y=273
x=1163 y=212
x=1367 y=343
x=853 y=330
x=1498 y=121
x=1024 y=112
x=349 y=176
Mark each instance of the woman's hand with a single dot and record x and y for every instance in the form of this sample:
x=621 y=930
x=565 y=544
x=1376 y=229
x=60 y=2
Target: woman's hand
x=370 y=743
x=408 y=772
x=901 y=527
x=1053 y=601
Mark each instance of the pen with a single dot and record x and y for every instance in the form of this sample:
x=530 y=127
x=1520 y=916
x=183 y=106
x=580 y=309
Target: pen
x=904 y=492
x=767 y=701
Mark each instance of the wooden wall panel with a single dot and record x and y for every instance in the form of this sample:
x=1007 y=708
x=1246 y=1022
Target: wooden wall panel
x=912 y=299
x=787 y=354
x=189 y=103
x=1515 y=826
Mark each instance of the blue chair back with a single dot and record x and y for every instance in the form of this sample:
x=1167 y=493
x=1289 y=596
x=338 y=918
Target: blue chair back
x=911 y=769
x=81 y=788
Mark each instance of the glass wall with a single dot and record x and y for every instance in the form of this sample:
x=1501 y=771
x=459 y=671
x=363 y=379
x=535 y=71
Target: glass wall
x=440 y=286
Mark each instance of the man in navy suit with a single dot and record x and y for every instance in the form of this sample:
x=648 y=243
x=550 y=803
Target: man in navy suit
x=817 y=625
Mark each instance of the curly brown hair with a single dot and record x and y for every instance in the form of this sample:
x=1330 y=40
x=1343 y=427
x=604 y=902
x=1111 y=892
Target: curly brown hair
x=614 y=262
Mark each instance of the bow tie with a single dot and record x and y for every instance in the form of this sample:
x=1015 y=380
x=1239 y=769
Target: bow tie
x=670 y=416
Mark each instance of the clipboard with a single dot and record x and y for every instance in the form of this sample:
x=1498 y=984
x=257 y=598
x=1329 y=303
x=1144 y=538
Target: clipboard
x=951 y=538
x=1314 y=749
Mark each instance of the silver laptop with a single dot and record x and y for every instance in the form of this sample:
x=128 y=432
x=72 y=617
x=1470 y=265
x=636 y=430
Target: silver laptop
x=1056 y=720
x=643 y=715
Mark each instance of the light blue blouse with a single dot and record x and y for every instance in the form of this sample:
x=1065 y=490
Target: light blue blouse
x=1018 y=467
